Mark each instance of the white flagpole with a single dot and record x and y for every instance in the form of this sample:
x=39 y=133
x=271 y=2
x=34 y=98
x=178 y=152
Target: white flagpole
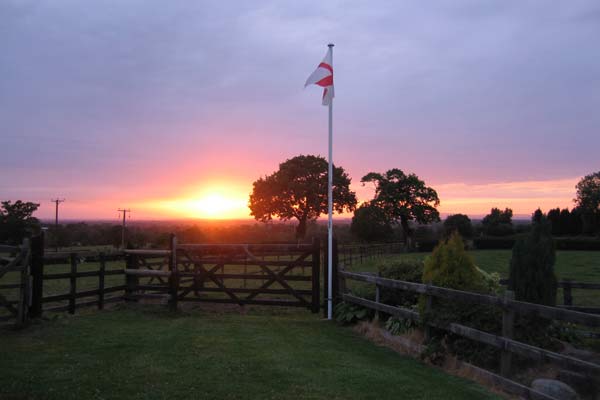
x=330 y=208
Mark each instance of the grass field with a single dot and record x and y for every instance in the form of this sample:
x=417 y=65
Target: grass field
x=143 y=354
x=580 y=266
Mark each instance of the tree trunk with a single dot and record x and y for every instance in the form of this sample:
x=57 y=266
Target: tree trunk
x=301 y=229
x=407 y=232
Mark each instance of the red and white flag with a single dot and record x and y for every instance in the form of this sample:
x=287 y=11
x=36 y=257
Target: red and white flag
x=323 y=76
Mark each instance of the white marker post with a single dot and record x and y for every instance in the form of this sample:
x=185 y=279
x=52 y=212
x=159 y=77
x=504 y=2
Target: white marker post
x=330 y=208
x=323 y=76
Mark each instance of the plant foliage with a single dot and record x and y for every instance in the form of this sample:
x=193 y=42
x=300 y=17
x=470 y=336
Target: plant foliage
x=298 y=189
x=17 y=221
x=532 y=276
x=404 y=198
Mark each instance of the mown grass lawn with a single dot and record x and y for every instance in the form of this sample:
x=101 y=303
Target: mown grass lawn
x=142 y=354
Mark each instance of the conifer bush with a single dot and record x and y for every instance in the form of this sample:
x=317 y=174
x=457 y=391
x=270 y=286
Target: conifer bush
x=532 y=276
x=451 y=266
x=533 y=280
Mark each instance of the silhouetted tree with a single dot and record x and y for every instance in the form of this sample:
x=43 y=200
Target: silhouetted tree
x=498 y=222
x=459 y=223
x=371 y=223
x=575 y=222
x=554 y=219
x=404 y=198
x=17 y=221
x=299 y=190
x=588 y=201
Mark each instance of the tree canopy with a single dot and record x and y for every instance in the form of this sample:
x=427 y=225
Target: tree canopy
x=588 y=201
x=17 y=221
x=498 y=222
x=298 y=189
x=460 y=223
x=370 y=223
x=404 y=198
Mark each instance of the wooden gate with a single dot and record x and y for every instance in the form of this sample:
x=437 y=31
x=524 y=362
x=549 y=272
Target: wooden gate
x=14 y=273
x=263 y=274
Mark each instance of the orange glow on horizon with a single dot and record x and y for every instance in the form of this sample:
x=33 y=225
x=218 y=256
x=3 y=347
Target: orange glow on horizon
x=222 y=199
x=213 y=202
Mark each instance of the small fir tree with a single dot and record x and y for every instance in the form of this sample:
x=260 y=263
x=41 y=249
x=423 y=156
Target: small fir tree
x=532 y=276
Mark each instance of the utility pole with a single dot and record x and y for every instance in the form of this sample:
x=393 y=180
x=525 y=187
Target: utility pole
x=56 y=202
x=124 y=211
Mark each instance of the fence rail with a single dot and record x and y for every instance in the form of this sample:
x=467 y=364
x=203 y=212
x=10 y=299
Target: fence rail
x=349 y=254
x=16 y=259
x=218 y=273
x=504 y=341
x=567 y=285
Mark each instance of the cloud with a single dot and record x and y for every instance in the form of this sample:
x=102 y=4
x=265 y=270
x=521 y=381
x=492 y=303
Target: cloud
x=115 y=95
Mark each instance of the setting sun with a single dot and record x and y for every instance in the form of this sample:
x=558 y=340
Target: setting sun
x=216 y=206
x=222 y=201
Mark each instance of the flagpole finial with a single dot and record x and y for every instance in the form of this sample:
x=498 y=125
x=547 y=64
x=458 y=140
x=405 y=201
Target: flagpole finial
x=330 y=45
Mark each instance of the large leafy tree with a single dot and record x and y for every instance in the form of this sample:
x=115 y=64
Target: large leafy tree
x=498 y=222
x=404 y=198
x=460 y=223
x=370 y=223
x=298 y=189
x=17 y=221
x=588 y=201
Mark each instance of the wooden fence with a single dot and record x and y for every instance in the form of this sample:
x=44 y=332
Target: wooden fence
x=504 y=342
x=350 y=254
x=264 y=274
x=219 y=273
x=78 y=295
x=15 y=260
x=567 y=286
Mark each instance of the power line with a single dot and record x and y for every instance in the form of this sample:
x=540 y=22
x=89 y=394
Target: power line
x=124 y=211
x=56 y=202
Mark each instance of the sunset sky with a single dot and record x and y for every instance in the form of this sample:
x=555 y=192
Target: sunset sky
x=173 y=109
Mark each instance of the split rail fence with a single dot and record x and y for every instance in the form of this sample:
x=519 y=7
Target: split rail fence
x=33 y=283
x=504 y=342
x=350 y=254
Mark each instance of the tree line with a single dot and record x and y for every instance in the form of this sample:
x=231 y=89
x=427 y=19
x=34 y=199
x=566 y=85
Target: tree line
x=298 y=191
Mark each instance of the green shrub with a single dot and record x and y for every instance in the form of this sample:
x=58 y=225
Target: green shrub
x=348 y=313
x=451 y=266
x=403 y=270
x=398 y=326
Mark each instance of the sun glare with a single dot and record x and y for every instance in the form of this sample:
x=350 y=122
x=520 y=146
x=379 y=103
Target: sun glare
x=214 y=205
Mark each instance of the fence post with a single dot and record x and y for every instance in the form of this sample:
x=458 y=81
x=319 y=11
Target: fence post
x=24 y=290
x=377 y=295
x=567 y=294
x=73 y=283
x=174 y=277
x=316 y=271
x=37 y=275
x=508 y=324
x=101 y=281
x=428 y=331
x=131 y=281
